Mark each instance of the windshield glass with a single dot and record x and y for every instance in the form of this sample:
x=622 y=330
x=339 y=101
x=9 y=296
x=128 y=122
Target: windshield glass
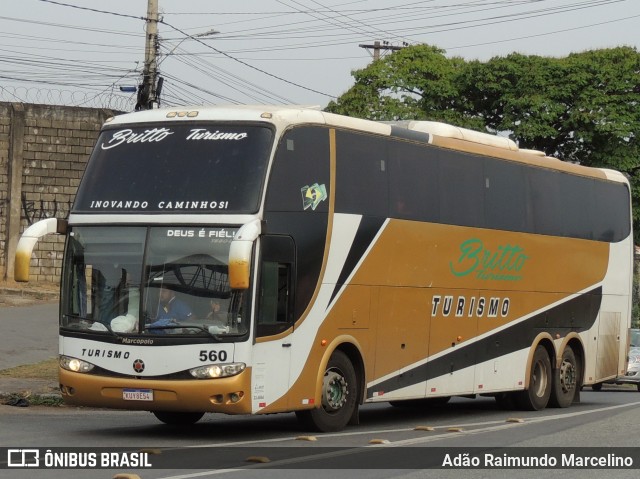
x=181 y=289
x=185 y=168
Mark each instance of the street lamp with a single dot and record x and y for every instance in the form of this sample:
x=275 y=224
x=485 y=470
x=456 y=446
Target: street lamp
x=150 y=88
x=198 y=35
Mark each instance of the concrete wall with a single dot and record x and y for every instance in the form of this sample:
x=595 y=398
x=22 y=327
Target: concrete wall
x=43 y=153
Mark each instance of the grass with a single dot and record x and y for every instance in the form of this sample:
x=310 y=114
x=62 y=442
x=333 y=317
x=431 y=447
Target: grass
x=46 y=370
x=43 y=370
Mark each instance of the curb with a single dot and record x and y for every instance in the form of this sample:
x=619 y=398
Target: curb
x=39 y=294
x=12 y=296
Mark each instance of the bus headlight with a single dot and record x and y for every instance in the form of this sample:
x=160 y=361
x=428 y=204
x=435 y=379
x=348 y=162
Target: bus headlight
x=75 y=365
x=217 y=370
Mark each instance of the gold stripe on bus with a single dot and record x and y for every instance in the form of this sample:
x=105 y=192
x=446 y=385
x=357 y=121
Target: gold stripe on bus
x=428 y=255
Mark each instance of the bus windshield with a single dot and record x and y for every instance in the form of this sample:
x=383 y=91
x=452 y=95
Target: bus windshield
x=158 y=281
x=184 y=168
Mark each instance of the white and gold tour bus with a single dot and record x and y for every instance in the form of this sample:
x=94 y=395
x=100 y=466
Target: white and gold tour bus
x=319 y=262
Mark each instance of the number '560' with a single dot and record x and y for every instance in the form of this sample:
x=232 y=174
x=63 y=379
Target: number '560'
x=213 y=356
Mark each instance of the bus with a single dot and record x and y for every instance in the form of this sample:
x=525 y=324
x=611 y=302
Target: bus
x=271 y=259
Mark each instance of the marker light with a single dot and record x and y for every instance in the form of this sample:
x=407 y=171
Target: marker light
x=75 y=365
x=217 y=370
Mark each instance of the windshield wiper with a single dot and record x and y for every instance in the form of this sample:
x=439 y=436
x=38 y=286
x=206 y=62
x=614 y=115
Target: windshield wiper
x=201 y=328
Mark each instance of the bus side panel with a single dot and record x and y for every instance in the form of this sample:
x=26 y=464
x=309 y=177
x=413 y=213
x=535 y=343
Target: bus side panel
x=606 y=343
x=401 y=336
x=478 y=310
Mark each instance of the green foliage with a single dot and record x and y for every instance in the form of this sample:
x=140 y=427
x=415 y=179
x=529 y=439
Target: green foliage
x=580 y=108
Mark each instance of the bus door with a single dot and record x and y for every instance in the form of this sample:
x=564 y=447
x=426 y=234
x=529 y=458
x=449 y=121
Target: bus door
x=274 y=322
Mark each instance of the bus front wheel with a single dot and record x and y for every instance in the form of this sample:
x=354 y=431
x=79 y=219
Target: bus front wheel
x=339 y=397
x=178 y=418
x=536 y=397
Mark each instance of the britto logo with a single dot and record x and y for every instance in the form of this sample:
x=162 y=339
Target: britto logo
x=504 y=264
x=313 y=195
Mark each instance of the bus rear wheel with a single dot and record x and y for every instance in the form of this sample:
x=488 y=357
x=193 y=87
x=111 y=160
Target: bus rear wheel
x=536 y=397
x=339 y=397
x=178 y=418
x=565 y=380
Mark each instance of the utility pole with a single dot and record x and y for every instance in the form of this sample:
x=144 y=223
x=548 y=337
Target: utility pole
x=148 y=90
x=382 y=46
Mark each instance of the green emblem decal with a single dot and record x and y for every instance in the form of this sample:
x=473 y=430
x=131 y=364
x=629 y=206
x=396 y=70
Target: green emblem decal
x=313 y=195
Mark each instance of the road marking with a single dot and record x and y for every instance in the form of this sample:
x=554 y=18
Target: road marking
x=470 y=429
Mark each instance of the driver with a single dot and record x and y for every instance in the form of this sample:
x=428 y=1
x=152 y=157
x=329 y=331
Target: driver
x=171 y=310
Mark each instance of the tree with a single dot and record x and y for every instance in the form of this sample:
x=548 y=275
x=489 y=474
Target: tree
x=417 y=83
x=582 y=108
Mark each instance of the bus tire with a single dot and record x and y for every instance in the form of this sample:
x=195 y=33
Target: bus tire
x=339 y=398
x=565 y=380
x=536 y=397
x=178 y=418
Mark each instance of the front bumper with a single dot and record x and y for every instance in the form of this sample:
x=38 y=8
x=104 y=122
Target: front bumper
x=197 y=395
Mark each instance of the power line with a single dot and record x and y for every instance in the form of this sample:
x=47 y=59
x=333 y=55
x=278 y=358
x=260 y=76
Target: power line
x=242 y=62
x=199 y=41
x=307 y=26
x=564 y=30
x=95 y=10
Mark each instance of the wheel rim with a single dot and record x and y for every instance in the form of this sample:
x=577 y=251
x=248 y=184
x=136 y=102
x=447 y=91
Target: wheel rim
x=335 y=389
x=540 y=379
x=567 y=376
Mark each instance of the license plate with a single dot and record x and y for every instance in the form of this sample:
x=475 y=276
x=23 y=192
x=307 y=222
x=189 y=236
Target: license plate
x=137 y=394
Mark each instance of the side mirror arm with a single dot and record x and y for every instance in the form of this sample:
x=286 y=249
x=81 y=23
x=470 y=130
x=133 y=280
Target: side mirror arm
x=28 y=241
x=240 y=254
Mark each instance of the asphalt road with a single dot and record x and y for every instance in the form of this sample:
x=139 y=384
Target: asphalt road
x=28 y=334
x=219 y=444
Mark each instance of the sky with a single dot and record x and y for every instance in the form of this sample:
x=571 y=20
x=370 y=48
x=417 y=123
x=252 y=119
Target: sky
x=81 y=52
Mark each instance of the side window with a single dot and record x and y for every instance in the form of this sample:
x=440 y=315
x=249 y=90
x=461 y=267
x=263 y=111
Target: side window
x=413 y=182
x=544 y=187
x=610 y=214
x=361 y=174
x=462 y=189
x=505 y=196
x=575 y=205
x=301 y=166
x=275 y=310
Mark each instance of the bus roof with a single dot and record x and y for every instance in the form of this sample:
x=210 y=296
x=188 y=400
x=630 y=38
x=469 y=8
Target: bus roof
x=436 y=133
